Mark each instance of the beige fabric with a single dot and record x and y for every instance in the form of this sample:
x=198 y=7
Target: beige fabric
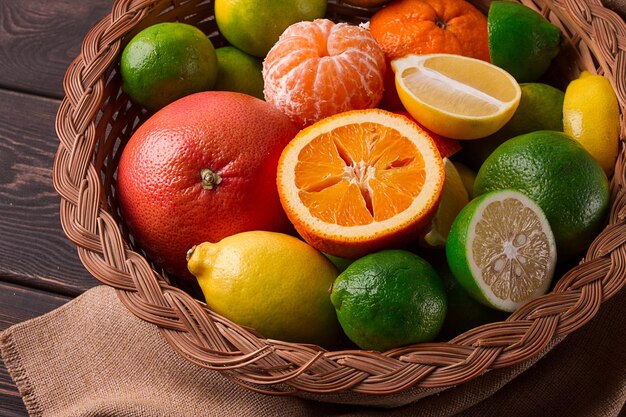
x=91 y=357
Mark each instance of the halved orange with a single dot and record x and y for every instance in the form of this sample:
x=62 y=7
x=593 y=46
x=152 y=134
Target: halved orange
x=360 y=181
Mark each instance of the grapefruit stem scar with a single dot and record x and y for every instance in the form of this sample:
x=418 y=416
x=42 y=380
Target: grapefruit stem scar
x=210 y=179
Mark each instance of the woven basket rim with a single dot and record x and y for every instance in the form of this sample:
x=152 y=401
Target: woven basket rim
x=208 y=340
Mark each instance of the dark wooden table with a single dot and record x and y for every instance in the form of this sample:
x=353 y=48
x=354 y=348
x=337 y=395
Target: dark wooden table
x=39 y=267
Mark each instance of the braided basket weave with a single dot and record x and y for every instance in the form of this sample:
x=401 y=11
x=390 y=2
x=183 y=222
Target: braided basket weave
x=96 y=119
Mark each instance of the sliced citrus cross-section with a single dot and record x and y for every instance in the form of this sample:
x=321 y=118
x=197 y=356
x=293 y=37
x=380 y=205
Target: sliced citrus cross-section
x=501 y=249
x=360 y=181
x=456 y=96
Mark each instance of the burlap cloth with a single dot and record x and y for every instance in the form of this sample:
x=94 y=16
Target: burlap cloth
x=91 y=357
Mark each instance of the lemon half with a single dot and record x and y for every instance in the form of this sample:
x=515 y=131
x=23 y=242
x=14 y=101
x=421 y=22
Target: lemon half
x=456 y=96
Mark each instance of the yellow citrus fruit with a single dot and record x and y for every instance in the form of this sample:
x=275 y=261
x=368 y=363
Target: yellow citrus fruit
x=468 y=176
x=360 y=181
x=272 y=282
x=254 y=26
x=591 y=116
x=454 y=197
x=165 y=62
x=455 y=96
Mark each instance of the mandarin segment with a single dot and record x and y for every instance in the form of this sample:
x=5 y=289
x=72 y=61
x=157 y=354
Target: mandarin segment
x=318 y=69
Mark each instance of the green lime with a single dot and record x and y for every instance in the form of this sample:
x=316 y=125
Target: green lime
x=540 y=108
x=464 y=311
x=238 y=71
x=560 y=176
x=165 y=62
x=521 y=41
x=388 y=299
x=254 y=26
x=341 y=263
x=501 y=249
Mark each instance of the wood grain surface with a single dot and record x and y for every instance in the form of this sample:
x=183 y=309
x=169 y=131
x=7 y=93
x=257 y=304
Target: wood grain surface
x=40 y=269
x=33 y=249
x=39 y=38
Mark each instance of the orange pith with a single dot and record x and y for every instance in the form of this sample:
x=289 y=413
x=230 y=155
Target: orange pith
x=360 y=181
x=368 y=173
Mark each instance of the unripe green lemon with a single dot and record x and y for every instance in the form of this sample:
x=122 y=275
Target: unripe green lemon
x=521 y=41
x=254 y=26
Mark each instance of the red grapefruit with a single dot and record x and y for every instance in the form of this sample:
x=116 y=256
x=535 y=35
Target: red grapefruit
x=201 y=169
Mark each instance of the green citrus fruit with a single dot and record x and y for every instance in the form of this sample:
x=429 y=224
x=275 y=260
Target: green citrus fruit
x=464 y=311
x=272 y=282
x=388 y=299
x=341 y=263
x=560 y=176
x=238 y=71
x=521 y=41
x=501 y=250
x=591 y=116
x=254 y=26
x=165 y=62
x=540 y=108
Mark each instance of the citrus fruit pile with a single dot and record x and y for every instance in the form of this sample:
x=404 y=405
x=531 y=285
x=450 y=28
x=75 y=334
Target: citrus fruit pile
x=383 y=184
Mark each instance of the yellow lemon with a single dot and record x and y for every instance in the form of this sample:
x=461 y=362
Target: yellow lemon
x=456 y=96
x=591 y=116
x=454 y=197
x=272 y=282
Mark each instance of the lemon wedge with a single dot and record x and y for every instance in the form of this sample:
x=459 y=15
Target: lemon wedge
x=456 y=96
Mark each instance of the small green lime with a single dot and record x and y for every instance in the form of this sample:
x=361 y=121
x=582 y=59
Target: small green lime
x=388 y=299
x=165 y=62
x=464 y=312
x=521 y=41
x=540 y=108
x=341 y=263
x=501 y=250
x=560 y=176
x=238 y=71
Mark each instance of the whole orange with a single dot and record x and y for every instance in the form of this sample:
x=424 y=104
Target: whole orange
x=201 y=169
x=424 y=27
x=431 y=26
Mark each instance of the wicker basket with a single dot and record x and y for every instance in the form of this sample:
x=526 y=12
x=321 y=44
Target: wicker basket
x=95 y=120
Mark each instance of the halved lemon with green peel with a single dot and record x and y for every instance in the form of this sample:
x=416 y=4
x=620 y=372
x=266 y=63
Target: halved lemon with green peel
x=501 y=250
x=456 y=96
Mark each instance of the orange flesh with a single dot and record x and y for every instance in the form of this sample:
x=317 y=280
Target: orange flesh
x=358 y=174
